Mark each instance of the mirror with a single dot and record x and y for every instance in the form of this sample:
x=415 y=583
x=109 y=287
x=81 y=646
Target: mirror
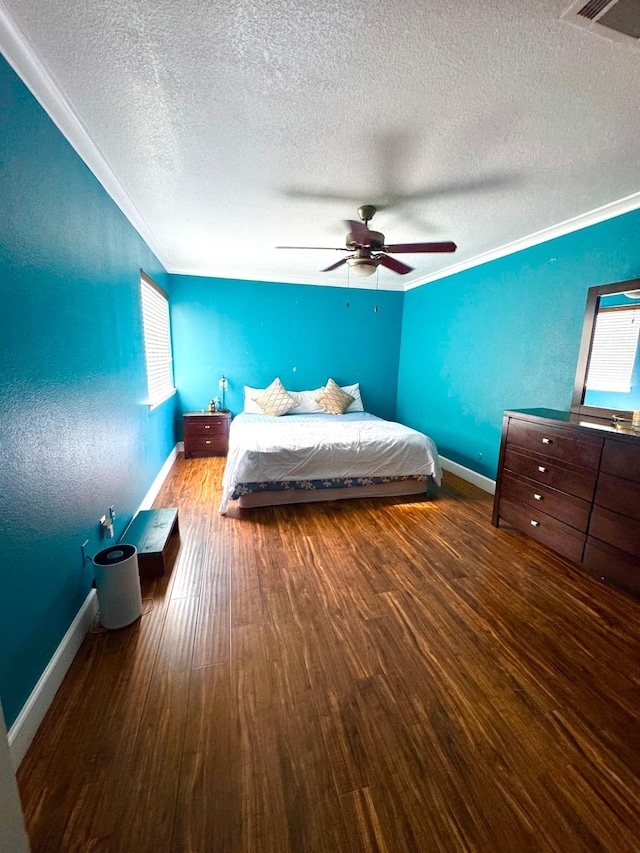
x=608 y=374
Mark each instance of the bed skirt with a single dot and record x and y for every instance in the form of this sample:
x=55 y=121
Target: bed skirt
x=395 y=488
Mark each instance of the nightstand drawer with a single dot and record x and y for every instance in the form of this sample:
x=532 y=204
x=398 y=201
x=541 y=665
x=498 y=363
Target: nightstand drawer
x=201 y=443
x=200 y=427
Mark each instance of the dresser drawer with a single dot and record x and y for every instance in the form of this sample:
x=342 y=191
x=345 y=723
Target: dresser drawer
x=616 y=529
x=619 y=495
x=557 y=475
x=560 y=537
x=621 y=459
x=563 y=507
x=612 y=565
x=200 y=427
x=555 y=443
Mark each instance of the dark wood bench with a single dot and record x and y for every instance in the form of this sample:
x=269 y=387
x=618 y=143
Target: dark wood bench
x=151 y=531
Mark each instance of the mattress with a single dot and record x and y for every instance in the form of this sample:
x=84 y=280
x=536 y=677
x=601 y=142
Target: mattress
x=297 y=449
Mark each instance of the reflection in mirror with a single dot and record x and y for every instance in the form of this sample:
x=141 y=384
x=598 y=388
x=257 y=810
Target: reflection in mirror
x=613 y=375
x=608 y=374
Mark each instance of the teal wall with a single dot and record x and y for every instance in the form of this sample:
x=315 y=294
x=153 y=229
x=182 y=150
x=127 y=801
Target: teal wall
x=75 y=433
x=77 y=436
x=504 y=335
x=254 y=331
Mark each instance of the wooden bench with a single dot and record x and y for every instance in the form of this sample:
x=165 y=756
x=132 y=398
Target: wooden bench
x=151 y=531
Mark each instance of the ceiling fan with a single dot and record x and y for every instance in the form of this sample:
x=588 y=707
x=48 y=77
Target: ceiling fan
x=369 y=248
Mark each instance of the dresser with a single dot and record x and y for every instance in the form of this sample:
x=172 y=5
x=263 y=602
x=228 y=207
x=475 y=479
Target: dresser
x=206 y=433
x=573 y=483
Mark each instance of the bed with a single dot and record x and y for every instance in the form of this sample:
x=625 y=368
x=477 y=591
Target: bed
x=299 y=458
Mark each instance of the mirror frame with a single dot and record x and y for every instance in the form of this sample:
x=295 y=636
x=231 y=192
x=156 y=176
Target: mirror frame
x=588 y=328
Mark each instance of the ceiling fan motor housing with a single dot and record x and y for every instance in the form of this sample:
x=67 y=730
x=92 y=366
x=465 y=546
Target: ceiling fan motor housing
x=375 y=240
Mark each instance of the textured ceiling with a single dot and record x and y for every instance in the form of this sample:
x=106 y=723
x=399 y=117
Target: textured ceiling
x=235 y=127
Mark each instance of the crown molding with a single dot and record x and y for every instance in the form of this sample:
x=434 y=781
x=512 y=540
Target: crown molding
x=576 y=223
x=41 y=82
x=346 y=284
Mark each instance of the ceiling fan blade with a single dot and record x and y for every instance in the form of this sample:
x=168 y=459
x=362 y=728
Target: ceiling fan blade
x=447 y=246
x=359 y=231
x=324 y=248
x=394 y=264
x=336 y=265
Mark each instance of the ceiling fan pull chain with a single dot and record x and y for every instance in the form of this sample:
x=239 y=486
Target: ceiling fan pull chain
x=375 y=310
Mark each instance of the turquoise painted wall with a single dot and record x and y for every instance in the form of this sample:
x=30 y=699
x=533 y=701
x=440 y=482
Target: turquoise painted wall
x=254 y=331
x=75 y=433
x=504 y=335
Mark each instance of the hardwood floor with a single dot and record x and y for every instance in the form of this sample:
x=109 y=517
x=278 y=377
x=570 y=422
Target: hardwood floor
x=376 y=675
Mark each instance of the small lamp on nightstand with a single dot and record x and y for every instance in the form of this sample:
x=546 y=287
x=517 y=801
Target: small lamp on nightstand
x=222 y=385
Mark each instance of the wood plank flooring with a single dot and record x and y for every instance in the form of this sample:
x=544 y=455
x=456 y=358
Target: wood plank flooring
x=376 y=675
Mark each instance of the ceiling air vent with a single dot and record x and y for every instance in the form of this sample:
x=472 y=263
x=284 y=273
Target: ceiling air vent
x=617 y=20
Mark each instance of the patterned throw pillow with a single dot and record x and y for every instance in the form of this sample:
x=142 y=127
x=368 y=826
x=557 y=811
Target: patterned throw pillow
x=333 y=399
x=275 y=400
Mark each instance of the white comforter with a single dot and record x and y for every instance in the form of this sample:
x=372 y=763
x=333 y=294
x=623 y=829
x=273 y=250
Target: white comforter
x=313 y=447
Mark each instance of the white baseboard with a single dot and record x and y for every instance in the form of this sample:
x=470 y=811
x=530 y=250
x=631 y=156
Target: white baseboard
x=479 y=480
x=28 y=720
x=151 y=495
x=32 y=714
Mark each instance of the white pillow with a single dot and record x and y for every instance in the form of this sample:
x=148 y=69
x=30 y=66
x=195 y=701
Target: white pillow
x=250 y=405
x=307 y=402
x=354 y=390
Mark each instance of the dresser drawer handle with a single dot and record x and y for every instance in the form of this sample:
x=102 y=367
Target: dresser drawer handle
x=537 y=496
x=542 y=469
x=547 y=441
x=207 y=426
x=207 y=441
x=535 y=523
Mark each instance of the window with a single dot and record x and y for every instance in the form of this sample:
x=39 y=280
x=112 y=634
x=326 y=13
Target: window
x=613 y=353
x=157 y=341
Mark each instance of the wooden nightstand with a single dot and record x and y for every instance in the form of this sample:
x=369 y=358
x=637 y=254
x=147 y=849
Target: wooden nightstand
x=206 y=433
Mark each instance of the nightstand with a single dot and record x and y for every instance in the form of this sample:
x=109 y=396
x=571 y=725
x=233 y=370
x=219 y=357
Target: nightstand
x=206 y=433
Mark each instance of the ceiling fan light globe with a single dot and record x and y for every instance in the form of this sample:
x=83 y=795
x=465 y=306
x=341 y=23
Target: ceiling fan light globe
x=362 y=266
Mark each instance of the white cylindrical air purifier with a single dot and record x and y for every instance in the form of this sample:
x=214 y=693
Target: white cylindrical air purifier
x=118 y=583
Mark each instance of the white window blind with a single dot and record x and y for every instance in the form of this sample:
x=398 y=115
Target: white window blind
x=614 y=348
x=157 y=341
